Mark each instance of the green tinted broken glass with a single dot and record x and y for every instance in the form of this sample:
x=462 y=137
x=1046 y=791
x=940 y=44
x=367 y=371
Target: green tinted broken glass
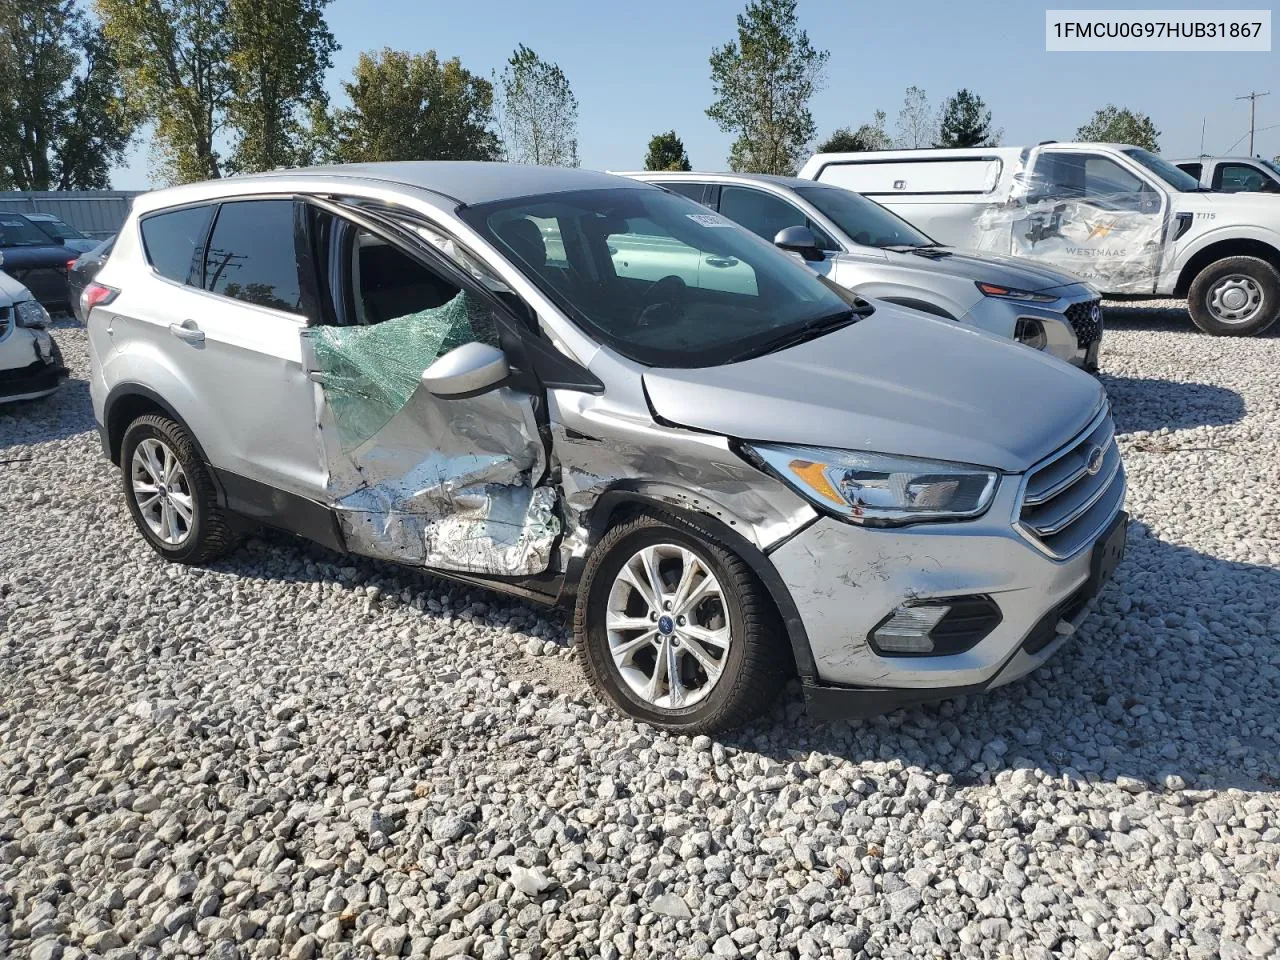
x=371 y=372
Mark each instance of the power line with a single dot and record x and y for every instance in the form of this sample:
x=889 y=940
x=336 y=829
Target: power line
x=1252 y=96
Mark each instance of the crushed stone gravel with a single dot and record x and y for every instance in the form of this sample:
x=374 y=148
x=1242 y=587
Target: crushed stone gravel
x=294 y=754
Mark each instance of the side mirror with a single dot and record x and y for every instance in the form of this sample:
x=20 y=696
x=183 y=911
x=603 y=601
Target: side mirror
x=798 y=240
x=466 y=370
x=60 y=241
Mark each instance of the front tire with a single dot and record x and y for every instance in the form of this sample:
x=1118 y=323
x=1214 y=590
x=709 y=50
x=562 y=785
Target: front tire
x=170 y=493
x=1235 y=297
x=674 y=629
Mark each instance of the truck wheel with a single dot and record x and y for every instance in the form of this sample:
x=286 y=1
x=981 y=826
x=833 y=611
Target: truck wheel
x=170 y=493
x=673 y=628
x=1235 y=297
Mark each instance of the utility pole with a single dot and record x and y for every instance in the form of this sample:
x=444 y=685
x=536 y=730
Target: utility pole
x=1252 y=96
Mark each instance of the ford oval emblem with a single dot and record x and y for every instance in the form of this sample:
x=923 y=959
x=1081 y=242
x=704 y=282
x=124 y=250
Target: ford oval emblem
x=1093 y=463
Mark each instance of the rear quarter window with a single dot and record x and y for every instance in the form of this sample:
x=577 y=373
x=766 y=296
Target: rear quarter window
x=174 y=242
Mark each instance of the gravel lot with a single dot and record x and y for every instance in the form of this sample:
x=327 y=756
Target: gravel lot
x=293 y=754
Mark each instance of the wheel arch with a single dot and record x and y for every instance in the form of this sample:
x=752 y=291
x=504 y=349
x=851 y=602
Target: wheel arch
x=1220 y=250
x=619 y=504
x=128 y=401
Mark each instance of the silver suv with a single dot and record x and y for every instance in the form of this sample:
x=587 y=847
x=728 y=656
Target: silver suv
x=448 y=365
x=874 y=252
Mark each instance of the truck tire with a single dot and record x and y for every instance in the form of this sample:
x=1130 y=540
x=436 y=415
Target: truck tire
x=660 y=594
x=1235 y=297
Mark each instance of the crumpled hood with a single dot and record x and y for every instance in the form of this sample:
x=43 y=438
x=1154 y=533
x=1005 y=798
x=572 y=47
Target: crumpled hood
x=1015 y=272
x=895 y=382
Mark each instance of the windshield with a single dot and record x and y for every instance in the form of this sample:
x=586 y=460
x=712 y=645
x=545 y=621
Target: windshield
x=1180 y=180
x=21 y=232
x=661 y=279
x=863 y=221
x=56 y=228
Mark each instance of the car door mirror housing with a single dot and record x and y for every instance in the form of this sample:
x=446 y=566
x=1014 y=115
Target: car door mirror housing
x=467 y=370
x=799 y=240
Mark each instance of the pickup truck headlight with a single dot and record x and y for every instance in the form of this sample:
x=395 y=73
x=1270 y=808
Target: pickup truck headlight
x=877 y=490
x=1011 y=293
x=31 y=314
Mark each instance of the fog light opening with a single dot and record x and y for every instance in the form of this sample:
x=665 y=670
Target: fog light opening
x=907 y=629
x=1030 y=331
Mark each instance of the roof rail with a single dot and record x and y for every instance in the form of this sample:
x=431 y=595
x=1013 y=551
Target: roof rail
x=1043 y=142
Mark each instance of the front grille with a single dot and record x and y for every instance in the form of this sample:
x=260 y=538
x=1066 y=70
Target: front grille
x=6 y=321
x=1069 y=498
x=1086 y=320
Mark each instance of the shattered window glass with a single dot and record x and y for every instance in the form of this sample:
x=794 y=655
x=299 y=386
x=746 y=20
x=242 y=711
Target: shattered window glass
x=370 y=372
x=393 y=317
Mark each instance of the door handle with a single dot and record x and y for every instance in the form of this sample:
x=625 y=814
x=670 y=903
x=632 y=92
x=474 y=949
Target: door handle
x=722 y=261
x=188 y=331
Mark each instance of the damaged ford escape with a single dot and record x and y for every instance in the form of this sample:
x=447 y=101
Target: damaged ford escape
x=580 y=388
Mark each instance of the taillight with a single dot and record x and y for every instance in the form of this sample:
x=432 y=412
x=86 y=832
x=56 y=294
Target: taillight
x=71 y=265
x=96 y=295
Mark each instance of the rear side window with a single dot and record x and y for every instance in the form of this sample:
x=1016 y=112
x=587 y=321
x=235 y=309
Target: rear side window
x=174 y=242
x=1194 y=169
x=252 y=256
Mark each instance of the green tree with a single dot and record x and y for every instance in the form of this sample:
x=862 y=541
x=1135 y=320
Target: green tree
x=63 y=119
x=537 y=111
x=666 y=152
x=413 y=107
x=917 y=123
x=869 y=136
x=1121 y=125
x=763 y=82
x=176 y=59
x=280 y=50
x=966 y=122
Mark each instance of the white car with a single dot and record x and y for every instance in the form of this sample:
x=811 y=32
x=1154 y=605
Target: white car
x=30 y=362
x=1119 y=216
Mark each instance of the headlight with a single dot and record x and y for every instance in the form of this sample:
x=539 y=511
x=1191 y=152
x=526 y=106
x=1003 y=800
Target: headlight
x=878 y=490
x=31 y=314
x=1010 y=293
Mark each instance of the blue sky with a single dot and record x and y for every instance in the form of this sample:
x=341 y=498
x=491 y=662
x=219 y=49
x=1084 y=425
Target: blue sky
x=641 y=68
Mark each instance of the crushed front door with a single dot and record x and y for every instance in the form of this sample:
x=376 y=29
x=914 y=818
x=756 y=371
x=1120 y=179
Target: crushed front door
x=455 y=484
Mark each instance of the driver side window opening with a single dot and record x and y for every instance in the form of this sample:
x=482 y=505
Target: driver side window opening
x=367 y=281
x=1087 y=176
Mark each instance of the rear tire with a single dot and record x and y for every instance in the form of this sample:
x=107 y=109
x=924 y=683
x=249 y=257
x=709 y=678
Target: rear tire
x=715 y=626
x=1235 y=297
x=170 y=492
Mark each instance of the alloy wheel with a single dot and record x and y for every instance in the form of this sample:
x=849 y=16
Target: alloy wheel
x=162 y=491
x=668 y=626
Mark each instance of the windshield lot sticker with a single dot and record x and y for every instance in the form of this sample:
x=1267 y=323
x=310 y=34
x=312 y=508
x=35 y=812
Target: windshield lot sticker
x=709 y=219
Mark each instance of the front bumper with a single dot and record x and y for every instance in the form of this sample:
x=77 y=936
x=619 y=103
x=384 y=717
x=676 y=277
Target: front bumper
x=1073 y=334
x=845 y=580
x=39 y=377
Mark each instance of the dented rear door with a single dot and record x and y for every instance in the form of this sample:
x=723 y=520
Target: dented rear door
x=452 y=484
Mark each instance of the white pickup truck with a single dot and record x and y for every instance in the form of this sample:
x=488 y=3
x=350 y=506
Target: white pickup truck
x=1119 y=216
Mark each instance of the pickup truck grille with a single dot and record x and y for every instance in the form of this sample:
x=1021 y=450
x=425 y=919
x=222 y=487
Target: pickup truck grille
x=6 y=321
x=1086 y=320
x=1069 y=498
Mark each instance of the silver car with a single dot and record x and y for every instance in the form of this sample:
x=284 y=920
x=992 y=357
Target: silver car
x=439 y=364
x=874 y=252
